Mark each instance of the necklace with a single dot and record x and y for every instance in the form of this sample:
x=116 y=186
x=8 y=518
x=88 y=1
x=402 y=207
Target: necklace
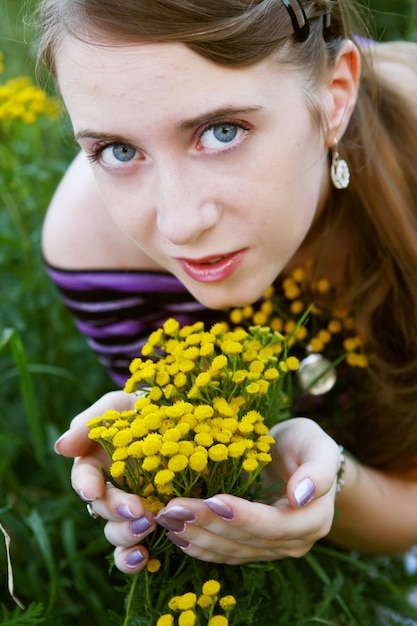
x=326 y=336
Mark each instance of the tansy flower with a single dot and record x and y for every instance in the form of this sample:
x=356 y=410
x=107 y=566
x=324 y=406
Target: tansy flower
x=117 y=469
x=227 y=602
x=187 y=618
x=218 y=620
x=165 y=620
x=218 y=452
x=153 y=565
x=187 y=601
x=204 y=601
x=163 y=477
x=211 y=587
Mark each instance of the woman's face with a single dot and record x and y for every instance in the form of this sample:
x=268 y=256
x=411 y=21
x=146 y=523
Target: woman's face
x=216 y=173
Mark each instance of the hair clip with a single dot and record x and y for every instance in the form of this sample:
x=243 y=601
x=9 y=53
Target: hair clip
x=298 y=18
x=327 y=24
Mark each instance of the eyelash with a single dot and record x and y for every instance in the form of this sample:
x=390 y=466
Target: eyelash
x=95 y=153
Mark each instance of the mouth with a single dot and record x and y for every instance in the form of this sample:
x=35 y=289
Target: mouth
x=212 y=269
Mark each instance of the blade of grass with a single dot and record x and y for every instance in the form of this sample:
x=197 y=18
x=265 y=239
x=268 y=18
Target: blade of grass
x=11 y=336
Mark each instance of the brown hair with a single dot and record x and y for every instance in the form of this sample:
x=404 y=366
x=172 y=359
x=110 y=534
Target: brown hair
x=378 y=211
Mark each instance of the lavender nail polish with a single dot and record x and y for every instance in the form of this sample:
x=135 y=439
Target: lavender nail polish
x=134 y=558
x=174 y=518
x=139 y=526
x=305 y=491
x=85 y=498
x=126 y=513
x=219 y=508
x=181 y=543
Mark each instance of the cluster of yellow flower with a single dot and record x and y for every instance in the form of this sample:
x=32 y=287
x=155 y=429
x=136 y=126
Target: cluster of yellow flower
x=197 y=426
x=187 y=604
x=297 y=301
x=23 y=101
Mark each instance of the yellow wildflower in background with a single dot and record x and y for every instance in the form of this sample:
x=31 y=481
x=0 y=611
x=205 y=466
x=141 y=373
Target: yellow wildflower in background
x=21 y=100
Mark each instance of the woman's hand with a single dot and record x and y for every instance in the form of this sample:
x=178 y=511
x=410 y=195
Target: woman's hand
x=225 y=528
x=127 y=521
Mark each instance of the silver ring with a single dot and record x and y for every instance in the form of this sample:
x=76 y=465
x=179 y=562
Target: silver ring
x=91 y=511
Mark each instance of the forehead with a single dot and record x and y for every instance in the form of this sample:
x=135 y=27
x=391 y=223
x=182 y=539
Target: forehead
x=163 y=79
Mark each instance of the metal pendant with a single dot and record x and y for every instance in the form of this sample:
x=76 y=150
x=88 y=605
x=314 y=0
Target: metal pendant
x=316 y=374
x=339 y=172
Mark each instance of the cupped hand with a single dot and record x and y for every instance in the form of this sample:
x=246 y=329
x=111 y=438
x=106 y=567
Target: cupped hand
x=127 y=521
x=226 y=529
x=222 y=529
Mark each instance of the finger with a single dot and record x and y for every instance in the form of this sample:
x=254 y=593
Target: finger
x=87 y=478
x=131 y=560
x=75 y=441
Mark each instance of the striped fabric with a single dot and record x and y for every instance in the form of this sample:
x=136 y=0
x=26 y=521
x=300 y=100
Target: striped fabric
x=116 y=310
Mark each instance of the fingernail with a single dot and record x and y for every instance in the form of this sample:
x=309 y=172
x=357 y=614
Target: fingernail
x=181 y=543
x=305 y=491
x=174 y=518
x=126 y=513
x=219 y=508
x=85 y=498
x=58 y=441
x=134 y=558
x=139 y=526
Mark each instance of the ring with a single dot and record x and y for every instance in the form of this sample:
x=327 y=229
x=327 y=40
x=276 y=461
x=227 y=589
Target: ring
x=91 y=511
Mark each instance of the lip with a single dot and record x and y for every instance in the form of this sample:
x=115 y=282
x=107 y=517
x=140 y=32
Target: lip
x=210 y=270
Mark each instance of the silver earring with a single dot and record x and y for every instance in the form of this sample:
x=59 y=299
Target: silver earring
x=339 y=171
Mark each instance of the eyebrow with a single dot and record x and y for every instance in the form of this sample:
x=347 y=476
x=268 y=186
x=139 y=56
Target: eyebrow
x=185 y=125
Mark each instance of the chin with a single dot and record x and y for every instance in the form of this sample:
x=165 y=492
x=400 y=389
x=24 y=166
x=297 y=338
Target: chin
x=220 y=299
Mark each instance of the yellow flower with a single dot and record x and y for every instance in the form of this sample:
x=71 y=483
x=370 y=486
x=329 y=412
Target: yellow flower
x=165 y=620
x=204 y=439
x=204 y=601
x=203 y=379
x=178 y=463
x=231 y=347
x=188 y=618
x=163 y=477
x=218 y=620
x=173 y=603
x=169 y=448
x=171 y=327
x=120 y=454
x=227 y=602
x=202 y=412
x=151 y=463
x=117 y=469
x=153 y=565
x=218 y=453
x=236 y=450
x=211 y=587
x=95 y=421
x=218 y=363
x=271 y=373
x=187 y=601
x=292 y=363
x=122 y=438
x=252 y=388
x=151 y=444
x=186 y=448
x=197 y=461
x=250 y=465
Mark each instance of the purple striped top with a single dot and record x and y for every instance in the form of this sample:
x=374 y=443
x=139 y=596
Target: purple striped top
x=117 y=309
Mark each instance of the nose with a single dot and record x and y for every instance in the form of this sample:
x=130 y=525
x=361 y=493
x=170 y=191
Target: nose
x=185 y=207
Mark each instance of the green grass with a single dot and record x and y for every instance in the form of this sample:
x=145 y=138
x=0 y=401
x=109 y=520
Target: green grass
x=47 y=374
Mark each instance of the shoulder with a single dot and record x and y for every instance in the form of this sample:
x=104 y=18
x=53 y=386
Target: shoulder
x=79 y=232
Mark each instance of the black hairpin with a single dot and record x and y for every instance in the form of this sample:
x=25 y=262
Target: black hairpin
x=327 y=24
x=298 y=18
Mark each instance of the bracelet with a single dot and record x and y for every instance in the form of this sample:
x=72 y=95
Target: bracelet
x=341 y=472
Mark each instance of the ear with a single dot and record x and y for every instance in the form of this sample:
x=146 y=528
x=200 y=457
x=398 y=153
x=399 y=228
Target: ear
x=340 y=91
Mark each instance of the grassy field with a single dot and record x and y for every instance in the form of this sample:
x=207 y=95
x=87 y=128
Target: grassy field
x=47 y=374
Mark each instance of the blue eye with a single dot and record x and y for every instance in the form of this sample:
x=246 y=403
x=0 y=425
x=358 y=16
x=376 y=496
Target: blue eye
x=118 y=153
x=220 y=135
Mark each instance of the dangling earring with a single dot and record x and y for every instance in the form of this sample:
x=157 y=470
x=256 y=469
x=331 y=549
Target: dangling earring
x=339 y=170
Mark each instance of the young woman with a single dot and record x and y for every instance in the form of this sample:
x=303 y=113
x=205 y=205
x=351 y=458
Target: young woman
x=223 y=145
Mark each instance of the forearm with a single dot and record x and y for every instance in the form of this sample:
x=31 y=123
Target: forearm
x=376 y=512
